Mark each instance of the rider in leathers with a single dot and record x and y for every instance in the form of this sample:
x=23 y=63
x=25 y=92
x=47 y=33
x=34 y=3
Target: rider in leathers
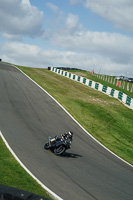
x=65 y=136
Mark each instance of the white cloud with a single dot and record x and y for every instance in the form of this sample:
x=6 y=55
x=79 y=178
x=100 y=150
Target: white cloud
x=114 y=48
x=53 y=7
x=12 y=37
x=113 y=45
x=26 y=2
x=74 y=2
x=53 y=24
x=110 y=50
x=62 y=26
x=18 y=17
x=72 y=23
x=34 y=56
x=118 y=12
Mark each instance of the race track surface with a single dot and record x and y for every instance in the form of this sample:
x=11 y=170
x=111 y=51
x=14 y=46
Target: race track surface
x=86 y=172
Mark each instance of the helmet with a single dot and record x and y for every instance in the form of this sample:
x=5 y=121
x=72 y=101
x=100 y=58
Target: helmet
x=70 y=134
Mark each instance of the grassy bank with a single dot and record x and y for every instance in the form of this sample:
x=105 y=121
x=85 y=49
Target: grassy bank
x=104 y=117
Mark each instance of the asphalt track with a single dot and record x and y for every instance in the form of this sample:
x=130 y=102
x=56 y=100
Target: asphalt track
x=86 y=172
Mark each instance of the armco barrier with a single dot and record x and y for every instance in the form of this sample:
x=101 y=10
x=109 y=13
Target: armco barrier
x=97 y=86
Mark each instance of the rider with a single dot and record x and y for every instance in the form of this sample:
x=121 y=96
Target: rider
x=64 y=136
x=67 y=135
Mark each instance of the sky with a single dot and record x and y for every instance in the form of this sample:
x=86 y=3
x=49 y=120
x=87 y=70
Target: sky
x=86 y=34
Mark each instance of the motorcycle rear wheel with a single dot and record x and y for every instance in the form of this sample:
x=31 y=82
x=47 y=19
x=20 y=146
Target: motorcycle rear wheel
x=46 y=146
x=59 y=150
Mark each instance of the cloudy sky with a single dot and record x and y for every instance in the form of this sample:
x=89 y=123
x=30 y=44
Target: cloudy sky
x=87 y=34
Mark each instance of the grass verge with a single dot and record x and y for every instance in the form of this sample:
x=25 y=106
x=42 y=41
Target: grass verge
x=12 y=174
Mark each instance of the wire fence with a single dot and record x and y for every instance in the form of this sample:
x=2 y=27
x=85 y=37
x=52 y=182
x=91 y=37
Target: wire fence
x=120 y=83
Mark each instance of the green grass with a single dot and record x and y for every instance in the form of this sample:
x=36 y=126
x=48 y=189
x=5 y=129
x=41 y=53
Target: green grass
x=107 y=119
x=13 y=175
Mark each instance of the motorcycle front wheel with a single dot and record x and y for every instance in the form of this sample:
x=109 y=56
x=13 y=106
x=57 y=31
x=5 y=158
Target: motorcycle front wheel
x=46 y=146
x=59 y=150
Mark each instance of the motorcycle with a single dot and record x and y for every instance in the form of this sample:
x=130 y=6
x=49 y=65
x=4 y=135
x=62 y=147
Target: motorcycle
x=59 y=144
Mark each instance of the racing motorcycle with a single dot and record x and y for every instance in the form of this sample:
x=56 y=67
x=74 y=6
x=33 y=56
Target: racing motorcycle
x=59 y=144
